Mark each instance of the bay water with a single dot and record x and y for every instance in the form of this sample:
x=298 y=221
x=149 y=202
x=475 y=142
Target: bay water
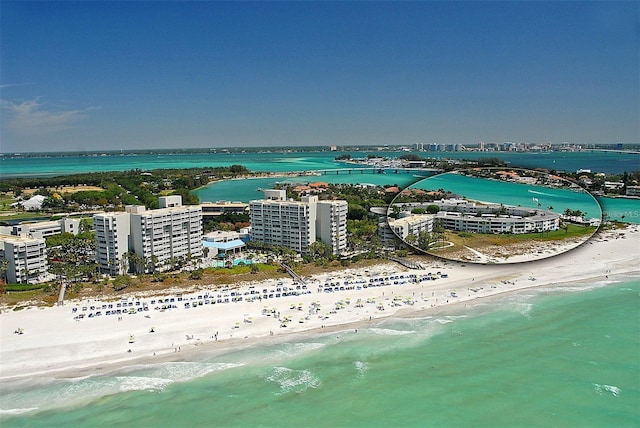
x=516 y=194
x=285 y=161
x=561 y=355
x=55 y=164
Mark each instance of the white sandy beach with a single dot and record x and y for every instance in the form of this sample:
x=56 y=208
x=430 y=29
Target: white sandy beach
x=55 y=342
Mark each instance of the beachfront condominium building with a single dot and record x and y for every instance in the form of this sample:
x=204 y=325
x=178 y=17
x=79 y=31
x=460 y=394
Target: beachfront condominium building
x=26 y=258
x=166 y=234
x=331 y=224
x=281 y=222
x=492 y=223
x=411 y=225
x=112 y=242
x=468 y=216
x=159 y=236
x=297 y=224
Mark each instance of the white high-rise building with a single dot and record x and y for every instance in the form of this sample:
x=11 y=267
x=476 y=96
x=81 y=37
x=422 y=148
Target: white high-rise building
x=26 y=258
x=331 y=224
x=288 y=223
x=297 y=224
x=155 y=235
x=167 y=233
x=112 y=241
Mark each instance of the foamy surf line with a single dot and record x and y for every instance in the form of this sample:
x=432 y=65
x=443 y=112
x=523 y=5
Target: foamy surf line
x=10 y=412
x=291 y=380
x=56 y=345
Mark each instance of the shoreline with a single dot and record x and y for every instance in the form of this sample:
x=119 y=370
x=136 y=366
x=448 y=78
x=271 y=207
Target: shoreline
x=54 y=345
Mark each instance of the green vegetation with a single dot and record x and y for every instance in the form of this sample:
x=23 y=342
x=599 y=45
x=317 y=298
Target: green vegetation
x=23 y=287
x=226 y=221
x=119 y=188
x=5 y=201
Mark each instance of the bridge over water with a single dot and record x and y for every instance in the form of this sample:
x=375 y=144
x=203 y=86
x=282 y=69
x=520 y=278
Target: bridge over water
x=375 y=170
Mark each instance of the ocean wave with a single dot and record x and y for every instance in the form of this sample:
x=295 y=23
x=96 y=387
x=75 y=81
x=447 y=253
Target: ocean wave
x=293 y=380
x=570 y=289
x=82 y=390
x=17 y=411
x=614 y=390
x=59 y=393
x=362 y=367
x=141 y=383
x=298 y=348
x=184 y=371
x=390 y=332
x=449 y=319
x=524 y=309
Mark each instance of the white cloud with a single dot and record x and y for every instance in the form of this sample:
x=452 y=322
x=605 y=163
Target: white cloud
x=12 y=85
x=35 y=118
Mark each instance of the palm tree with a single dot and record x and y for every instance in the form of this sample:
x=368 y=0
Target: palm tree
x=124 y=263
x=135 y=261
x=4 y=266
x=151 y=263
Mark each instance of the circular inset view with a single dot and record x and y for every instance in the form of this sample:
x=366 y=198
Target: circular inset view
x=490 y=215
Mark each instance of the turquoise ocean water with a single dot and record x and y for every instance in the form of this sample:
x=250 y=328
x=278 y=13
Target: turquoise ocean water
x=547 y=357
x=554 y=356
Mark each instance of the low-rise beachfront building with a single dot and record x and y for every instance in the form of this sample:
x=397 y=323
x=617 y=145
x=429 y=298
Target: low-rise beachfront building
x=26 y=258
x=225 y=241
x=160 y=236
x=223 y=207
x=411 y=225
x=491 y=223
x=44 y=229
x=467 y=216
x=297 y=224
x=633 y=191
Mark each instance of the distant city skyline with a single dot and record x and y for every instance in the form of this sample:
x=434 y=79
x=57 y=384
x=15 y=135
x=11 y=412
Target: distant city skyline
x=91 y=76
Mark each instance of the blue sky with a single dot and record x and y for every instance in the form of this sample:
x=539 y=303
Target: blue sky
x=125 y=75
